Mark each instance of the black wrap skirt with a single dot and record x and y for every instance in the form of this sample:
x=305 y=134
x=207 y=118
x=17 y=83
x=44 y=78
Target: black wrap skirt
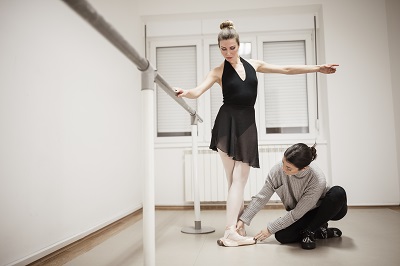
x=235 y=133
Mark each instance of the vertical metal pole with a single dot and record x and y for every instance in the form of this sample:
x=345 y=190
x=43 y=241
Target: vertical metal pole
x=316 y=75
x=197 y=229
x=195 y=175
x=147 y=93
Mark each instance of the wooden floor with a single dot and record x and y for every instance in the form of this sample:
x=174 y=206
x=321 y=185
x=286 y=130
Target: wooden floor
x=86 y=247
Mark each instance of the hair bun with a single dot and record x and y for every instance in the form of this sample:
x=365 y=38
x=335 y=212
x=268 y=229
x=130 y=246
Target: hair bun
x=313 y=151
x=226 y=24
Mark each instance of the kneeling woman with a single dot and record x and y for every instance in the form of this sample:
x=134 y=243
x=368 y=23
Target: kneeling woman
x=307 y=197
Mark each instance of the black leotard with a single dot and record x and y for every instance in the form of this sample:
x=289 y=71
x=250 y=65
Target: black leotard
x=235 y=131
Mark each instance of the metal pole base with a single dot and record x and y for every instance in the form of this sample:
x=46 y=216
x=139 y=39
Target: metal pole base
x=197 y=229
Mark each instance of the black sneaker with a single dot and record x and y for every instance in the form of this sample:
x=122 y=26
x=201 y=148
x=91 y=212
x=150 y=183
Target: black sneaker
x=324 y=232
x=308 y=241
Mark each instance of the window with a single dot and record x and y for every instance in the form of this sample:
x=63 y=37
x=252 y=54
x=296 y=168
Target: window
x=285 y=98
x=287 y=102
x=178 y=66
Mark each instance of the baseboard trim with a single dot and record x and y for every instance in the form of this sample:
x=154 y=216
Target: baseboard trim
x=48 y=253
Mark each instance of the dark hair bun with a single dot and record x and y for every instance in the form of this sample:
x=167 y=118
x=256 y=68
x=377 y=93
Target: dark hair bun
x=226 y=24
x=313 y=152
x=300 y=154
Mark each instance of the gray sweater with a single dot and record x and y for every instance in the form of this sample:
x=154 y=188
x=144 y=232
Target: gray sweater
x=299 y=194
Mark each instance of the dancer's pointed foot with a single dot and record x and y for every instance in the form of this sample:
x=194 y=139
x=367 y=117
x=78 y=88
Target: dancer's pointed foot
x=233 y=239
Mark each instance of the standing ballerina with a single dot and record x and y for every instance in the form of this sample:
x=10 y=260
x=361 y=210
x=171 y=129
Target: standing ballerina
x=234 y=135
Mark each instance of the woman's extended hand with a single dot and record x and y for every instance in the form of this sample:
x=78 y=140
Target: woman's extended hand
x=328 y=69
x=264 y=234
x=180 y=92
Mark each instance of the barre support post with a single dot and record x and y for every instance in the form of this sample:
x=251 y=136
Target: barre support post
x=147 y=94
x=197 y=229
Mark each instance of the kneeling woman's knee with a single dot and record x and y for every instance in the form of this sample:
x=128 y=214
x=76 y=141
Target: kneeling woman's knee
x=338 y=193
x=284 y=238
x=279 y=237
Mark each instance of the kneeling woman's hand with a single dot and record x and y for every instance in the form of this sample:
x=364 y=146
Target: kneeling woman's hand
x=240 y=228
x=264 y=234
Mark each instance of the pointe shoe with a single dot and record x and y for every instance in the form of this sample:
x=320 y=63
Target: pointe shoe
x=225 y=242
x=233 y=239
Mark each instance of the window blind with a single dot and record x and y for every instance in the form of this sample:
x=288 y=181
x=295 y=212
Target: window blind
x=178 y=65
x=286 y=106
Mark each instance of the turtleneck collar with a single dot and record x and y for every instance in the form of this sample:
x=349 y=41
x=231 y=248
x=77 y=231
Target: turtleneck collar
x=303 y=172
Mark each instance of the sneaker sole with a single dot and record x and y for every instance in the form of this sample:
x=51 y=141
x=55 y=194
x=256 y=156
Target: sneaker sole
x=227 y=243
x=308 y=247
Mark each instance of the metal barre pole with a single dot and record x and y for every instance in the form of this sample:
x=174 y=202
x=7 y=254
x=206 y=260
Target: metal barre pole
x=168 y=89
x=87 y=12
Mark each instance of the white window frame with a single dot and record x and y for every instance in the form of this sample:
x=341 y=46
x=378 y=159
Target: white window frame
x=265 y=138
x=175 y=141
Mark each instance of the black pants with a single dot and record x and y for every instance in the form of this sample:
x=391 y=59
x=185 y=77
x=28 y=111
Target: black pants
x=333 y=207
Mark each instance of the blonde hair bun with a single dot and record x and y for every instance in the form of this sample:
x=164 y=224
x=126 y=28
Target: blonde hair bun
x=226 y=24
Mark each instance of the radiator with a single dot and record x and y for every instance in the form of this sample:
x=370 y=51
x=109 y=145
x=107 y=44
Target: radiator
x=211 y=175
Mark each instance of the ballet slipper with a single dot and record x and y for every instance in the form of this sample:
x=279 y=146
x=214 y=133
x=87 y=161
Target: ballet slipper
x=233 y=239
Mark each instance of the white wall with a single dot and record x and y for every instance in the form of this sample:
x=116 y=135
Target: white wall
x=69 y=116
x=361 y=117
